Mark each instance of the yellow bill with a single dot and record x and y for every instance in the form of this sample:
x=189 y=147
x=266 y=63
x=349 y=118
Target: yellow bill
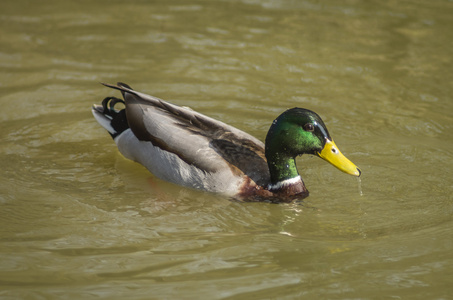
x=332 y=154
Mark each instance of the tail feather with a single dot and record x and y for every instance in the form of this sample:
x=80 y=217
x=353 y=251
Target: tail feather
x=113 y=120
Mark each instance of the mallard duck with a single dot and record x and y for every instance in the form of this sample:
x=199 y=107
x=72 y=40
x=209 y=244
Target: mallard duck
x=185 y=147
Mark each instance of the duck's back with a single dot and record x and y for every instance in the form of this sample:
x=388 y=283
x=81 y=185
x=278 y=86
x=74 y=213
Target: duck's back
x=182 y=146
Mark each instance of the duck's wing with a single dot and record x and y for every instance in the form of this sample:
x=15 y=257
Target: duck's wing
x=198 y=140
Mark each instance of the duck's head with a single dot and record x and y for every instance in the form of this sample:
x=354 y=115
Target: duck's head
x=300 y=131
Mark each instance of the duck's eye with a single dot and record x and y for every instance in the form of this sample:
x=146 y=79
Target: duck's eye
x=309 y=127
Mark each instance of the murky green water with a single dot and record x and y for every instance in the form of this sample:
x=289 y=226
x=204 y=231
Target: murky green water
x=77 y=221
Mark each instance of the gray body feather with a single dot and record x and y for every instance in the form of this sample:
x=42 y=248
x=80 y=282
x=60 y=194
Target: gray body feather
x=182 y=146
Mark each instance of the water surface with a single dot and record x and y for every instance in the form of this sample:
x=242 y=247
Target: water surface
x=79 y=221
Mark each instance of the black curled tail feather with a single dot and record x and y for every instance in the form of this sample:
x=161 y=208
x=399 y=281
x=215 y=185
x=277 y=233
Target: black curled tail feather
x=118 y=120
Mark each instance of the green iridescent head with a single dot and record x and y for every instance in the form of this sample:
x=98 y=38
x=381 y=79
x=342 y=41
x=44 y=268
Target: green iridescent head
x=300 y=131
x=295 y=132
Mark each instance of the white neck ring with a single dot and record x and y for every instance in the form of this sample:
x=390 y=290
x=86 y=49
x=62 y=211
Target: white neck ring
x=284 y=183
